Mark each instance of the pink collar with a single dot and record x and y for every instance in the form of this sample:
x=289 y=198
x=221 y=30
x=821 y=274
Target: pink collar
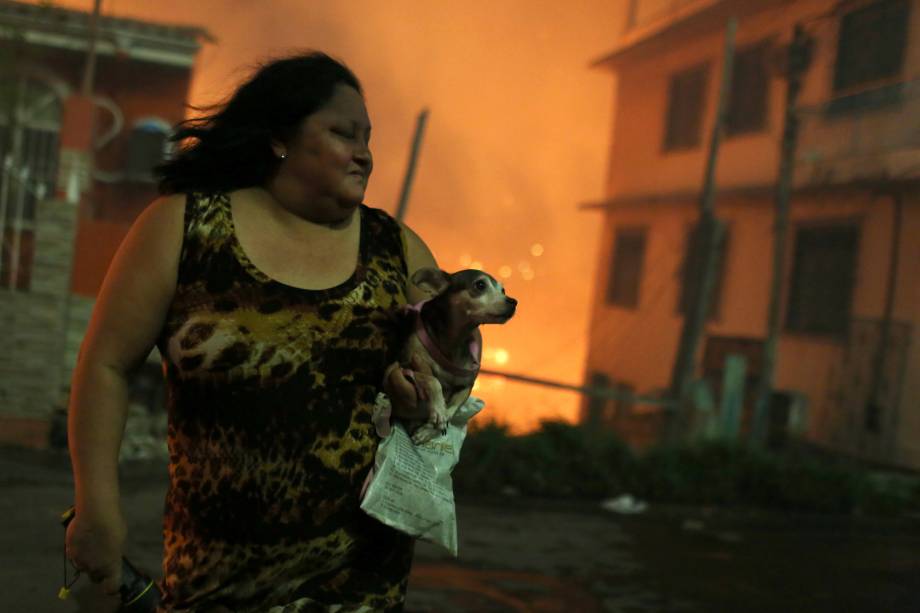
x=435 y=352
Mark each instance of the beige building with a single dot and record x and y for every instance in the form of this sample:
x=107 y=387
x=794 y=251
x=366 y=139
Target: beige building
x=852 y=266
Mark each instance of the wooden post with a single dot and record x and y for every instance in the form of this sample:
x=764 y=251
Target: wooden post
x=732 y=401
x=710 y=235
x=874 y=406
x=799 y=57
x=410 y=170
x=632 y=12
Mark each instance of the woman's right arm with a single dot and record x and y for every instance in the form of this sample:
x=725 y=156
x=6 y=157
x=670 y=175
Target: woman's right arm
x=127 y=318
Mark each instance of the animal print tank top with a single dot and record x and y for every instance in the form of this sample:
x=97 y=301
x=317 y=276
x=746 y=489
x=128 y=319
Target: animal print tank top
x=270 y=390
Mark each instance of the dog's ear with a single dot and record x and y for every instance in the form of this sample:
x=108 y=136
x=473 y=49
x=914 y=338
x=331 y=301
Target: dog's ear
x=431 y=280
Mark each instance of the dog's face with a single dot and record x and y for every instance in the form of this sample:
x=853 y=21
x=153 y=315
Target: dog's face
x=473 y=294
x=481 y=297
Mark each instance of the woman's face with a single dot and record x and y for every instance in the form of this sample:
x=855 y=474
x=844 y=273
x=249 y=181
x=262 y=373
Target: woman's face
x=327 y=163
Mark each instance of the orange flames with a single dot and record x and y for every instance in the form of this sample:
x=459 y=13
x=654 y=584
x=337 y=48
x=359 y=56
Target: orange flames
x=518 y=135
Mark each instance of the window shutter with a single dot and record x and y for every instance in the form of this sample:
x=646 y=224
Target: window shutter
x=686 y=99
x=747 y=110
x=626 y=268
x=823 y=277
x=690 y=270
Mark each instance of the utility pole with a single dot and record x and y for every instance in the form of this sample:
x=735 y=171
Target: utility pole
x=797 y=62
x=632 y=12
x=89 y=68
x=709 y=232
x=410 y=170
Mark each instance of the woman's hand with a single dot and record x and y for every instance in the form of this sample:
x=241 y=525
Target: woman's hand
x=403 y=396
x=94 y=544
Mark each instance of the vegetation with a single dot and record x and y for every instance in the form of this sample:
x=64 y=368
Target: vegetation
x=562 y=460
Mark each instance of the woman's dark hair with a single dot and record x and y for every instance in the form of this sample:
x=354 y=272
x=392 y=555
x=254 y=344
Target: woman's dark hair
x=229 y=147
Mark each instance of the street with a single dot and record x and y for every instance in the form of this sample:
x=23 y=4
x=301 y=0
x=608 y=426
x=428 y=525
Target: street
x=525 y=555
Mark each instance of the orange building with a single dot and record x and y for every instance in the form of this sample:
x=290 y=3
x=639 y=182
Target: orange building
x=848 y=356
x=76 y=171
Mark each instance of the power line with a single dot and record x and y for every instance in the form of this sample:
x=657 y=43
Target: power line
x=595 y=391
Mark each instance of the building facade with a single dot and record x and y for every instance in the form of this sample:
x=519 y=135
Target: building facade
x=848 y=356
x=76 y=171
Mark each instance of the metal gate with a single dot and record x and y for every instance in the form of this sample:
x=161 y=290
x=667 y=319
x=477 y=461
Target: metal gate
x=30 y=123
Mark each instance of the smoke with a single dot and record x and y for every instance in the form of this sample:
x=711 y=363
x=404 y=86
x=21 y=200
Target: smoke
x=518 y=136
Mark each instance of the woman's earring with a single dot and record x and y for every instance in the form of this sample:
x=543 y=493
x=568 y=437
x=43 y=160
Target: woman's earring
x=284 y=156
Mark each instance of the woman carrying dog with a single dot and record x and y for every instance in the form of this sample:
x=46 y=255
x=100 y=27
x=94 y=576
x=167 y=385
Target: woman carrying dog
x=265 y=283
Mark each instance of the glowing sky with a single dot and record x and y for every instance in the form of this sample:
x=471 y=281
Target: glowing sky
x=517 y=137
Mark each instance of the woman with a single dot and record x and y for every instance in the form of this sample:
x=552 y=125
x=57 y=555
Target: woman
x=266 y=284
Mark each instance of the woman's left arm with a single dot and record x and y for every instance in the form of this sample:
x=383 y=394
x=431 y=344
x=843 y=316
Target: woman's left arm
x=398 y=388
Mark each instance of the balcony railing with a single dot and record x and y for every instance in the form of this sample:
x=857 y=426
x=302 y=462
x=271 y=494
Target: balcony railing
x=869 y=135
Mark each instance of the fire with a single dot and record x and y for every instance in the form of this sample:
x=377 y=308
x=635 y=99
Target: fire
x=517 y=137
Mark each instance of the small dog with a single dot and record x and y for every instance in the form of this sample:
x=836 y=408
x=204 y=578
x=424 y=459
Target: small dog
x=444 y=335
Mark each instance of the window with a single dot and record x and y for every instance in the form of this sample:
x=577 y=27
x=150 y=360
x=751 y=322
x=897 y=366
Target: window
x=626 y=268
x=690 y=271
x=823 y=274
x=747 y=109
x=871 y=44
x=147 y=147
x=686 y=98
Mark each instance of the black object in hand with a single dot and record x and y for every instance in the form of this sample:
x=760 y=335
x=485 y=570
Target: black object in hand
x=138 y=592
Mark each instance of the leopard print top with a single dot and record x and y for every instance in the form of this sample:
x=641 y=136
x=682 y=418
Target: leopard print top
x=270 y=393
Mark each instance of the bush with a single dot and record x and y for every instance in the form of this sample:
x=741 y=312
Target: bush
x=571 y=461
x=484 y=460
x=734 y=474
x=559 y=459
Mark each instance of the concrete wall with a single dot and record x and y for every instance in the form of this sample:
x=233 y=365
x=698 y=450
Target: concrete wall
x=81 y=308
x=908 y=308
x=44 y=329
x=32 y=382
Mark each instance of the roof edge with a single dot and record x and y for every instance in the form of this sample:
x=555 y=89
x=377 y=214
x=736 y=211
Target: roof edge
x=763 y=192
x=654 y=28
x=69 y=21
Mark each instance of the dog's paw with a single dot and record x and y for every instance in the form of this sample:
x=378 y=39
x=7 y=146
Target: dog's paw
x=382 y=415
x=382 y=401
x=428 y=431
x=424 y=434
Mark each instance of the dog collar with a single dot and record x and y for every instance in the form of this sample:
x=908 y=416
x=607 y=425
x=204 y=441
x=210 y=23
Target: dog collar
x=435 y=352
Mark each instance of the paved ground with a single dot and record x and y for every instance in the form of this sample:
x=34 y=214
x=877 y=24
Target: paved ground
x=525 y=555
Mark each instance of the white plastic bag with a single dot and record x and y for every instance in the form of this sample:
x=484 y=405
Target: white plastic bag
x=409 y=487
